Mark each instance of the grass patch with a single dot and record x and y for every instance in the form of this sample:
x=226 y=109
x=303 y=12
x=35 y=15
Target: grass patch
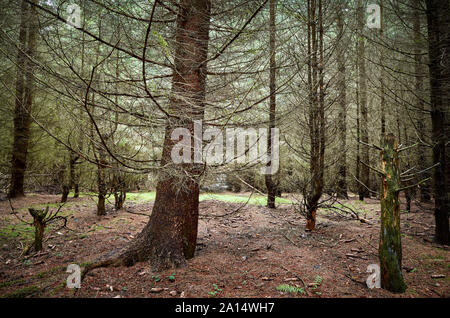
x=22 y=232
x=434 y=258
x=254 y=200
x=22 y=293
x=142 y=196
x=12 y=283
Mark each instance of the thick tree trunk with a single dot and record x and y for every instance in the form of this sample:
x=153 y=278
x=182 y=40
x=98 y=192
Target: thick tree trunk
x=270 y=184
x=420 y=105
x=170 y=237
x=65 y=193
x=390 y=248
x=342 y=117
x=76 y=190
x=24 y=99
x=438 y=41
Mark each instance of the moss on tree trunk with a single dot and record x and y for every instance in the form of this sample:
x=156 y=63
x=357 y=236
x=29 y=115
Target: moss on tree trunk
x=39 y=227
x=390 y=248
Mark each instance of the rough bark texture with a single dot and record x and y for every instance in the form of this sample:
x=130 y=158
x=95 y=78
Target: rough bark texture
x=382 y=88
x=439 y=60
x=390 y=247
x=270 y=184
x=316 y=111
x=39 y=227
x=119 y=188
x=358 y=147
x=24 y=99
x=101 y=183
x=342 y=117
x=420 y=105
x=65 y=193
x=73 y=180
x=170 y=237
x=365 y=172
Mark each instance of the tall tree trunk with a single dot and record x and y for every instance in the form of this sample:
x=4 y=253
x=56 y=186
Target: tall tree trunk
x=342 y=117
x=365 y=172
x=317 y=116
x=24 y=98
x=358 y=140
x=390 y=247
x=382 y=88
x=170 y=236
x=270 y=184
x=420 y=105
x=77 y=171
x=438 y=50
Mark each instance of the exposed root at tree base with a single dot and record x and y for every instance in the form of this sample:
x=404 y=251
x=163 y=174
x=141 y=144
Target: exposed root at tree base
x=158 y=261
x=110 y=262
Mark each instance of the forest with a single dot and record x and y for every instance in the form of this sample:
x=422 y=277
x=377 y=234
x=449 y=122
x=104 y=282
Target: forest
x=224 y=149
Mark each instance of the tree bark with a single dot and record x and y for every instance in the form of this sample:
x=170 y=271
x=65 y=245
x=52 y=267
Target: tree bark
x=39 y=227
x=270 y=184
x=420 y=105
x=342 y=117
x=24 y=99
x=382 y=88
x=101 y=183
x=390 y=247
x=438 y=50
x=317 y=119
x=170 y=236
x=365 y=172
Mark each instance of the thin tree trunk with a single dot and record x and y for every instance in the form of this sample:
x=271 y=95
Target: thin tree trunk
x=365 y=172
x=382 y=88
x=342 y=117
x=68 y=181
x=409 y=192
x=101 y=183
x=317 y=116
x=270 y=184
x=358 y=140
x=77 y=171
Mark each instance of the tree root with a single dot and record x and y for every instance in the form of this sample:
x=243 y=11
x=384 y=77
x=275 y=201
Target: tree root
x=124 y=259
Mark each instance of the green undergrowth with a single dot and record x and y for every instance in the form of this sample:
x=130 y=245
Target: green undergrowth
x=22 y=292
x=232 y=198
x=22 y=232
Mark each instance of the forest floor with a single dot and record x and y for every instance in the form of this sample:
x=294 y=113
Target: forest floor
x=243 y=251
